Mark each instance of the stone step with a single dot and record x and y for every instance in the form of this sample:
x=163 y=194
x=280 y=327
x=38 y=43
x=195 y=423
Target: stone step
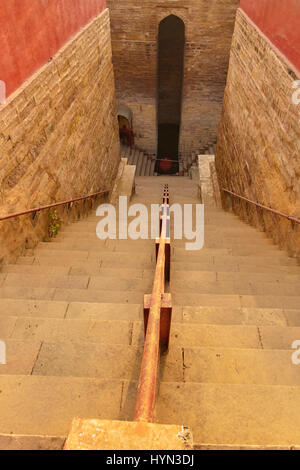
x=239 y=243
x=233 y=414
x=239 y=366
x=89 y=245
x=111 y=311
x=104 y=259
x=32 y=308
x=46 y=280
x=90 y=266
x=38 y=270
x=194 y=335
x=242 y=286
x=219 y=266
x=231 y=259
x=193 y=276
x=239 y=316
x=30 y=442
x=72 y=357
x=139 y=164
x=89 y=225
x=79 y=269
x=235 y=249
x=110 y=362
x=78 y=282
x=72 y=310
x=236 y=301
x=229 y=243
x=209 y=242
x=71 y=295
x=191 y=335
x=71 y=330
x=47 y=405
x=135 y=157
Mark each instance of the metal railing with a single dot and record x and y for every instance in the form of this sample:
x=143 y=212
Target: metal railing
x=261 y=206
x=157 y=322
x=55 y=204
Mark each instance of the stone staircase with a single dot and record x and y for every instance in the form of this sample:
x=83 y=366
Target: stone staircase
x=145 y=164
x=71 y=316
x=189 y=166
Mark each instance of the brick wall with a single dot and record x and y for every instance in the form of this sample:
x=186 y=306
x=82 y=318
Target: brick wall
x=208 y=27
x=59 y=135
x=259 y=135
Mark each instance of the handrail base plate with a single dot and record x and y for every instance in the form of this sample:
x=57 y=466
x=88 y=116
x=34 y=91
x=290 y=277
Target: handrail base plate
x=95 y=434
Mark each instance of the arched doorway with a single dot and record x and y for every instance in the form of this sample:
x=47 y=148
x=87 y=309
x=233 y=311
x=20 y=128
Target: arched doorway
x=171 y=41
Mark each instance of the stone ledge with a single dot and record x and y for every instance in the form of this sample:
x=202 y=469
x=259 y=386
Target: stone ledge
x=94 y=434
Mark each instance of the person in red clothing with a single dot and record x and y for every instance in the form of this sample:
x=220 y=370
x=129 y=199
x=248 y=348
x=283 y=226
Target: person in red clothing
x=165 y=164
x=127 y=136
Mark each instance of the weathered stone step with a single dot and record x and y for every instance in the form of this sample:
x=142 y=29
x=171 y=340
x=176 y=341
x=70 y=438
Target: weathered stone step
x=185 y=334
x=104 y=361
x=251 y=414
x=84 y=269
x=73 y=310
x=34 y=308
x=235 y=267
x=230 y=243
x=240 y=366
x=50 y=249
x=209 y=276
x=69 y=329
x=38 y=270
x=209 y=242
x=194 y=335
x=78 y=282
x=47 y=405
x=236 y=301
x=242 y=286
x=111 y=311
x=92 y=259
x=228 y=257
x=204 y=365
x=30 y=442
x=89 y=245
x=233 y=414
x=239 y=316
x=69 y=295
x=46 y=280
x=234 y=247
x=238 y=231
x=71 y=357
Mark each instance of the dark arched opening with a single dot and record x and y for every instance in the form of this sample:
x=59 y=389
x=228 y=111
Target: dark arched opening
x=125 y=125
x=171 y=39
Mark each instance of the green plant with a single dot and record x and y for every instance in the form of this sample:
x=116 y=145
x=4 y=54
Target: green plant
x=55 y=223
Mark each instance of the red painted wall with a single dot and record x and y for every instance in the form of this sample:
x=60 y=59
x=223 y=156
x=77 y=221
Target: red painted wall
x=279 y=20
x=32 y=31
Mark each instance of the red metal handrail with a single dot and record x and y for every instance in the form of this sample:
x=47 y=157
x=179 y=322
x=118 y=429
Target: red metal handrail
x=148 y=381
x=281 y=214
x=165 y=160
x=55 y=204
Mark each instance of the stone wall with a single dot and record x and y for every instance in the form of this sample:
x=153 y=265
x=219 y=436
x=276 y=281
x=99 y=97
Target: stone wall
x=58 y=136
x=208 y=28
x=259 y=136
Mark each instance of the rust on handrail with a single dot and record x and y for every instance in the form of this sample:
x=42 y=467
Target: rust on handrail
x=148 y=380
x=55 y=204
x=281 y=214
